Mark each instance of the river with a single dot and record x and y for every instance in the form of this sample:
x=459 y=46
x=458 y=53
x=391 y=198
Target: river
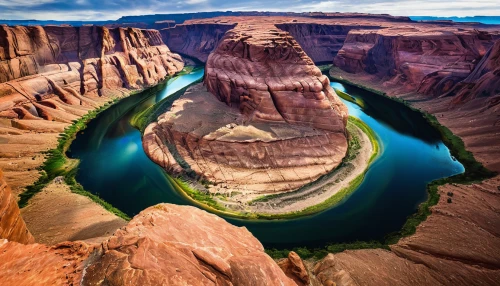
x=114 y=166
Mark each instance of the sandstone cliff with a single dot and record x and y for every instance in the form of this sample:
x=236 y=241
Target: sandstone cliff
x=322 y=41
x=414 y=59
x=44 y=72
x=195 y=40
x=269 y=123
x=12 y=226
x=163 y=245
x=483 y=82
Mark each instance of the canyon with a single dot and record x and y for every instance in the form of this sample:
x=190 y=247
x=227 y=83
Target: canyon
x=51 y=76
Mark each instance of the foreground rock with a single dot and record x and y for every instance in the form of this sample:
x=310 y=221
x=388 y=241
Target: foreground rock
x=163 y=245
x=12 y=225
x=270 y=122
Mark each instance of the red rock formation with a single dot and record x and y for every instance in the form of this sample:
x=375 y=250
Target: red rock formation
x=195 y=40
x=45 y=71
x=294 y=267
x=265 y=72
x=483 y=82
x=274 y=125
x=163 y=245
x=414 y=59
x=12 y=226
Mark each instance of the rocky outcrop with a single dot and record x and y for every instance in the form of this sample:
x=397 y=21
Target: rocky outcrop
x=12 y=225
x=163 y=245
x=294 y=267
x=264 y=72
x=195 y=40
x=419 y=59
x=45 y=71
x=271 y=122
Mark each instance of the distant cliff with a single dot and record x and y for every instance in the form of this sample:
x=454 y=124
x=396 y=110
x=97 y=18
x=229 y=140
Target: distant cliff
x=45 y=69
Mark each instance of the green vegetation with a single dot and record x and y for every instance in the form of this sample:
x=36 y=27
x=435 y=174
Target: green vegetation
x=350 y=98
x=325 y=68
x=319 y=253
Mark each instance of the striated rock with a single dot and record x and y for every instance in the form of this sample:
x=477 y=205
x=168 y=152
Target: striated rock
x=484 y=81
x=12 y=225
x=414 y=59
x=264 y=71
x=163 y=245
x=274 y=124
x=45 y=71
x=51 y=76
x=195 y=40
x=371 y=267
x=294 y=267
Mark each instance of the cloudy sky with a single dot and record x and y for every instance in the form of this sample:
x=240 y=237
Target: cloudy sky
x=113 y=9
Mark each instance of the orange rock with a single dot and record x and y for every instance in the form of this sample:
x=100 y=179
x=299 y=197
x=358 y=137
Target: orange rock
x=46 y=70
x=12 y=226
x=163 y=245
x=295 y=269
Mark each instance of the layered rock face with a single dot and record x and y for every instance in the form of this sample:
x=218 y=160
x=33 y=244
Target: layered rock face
x=195 y=40
x=483 y=82
x=163 y=245
x=322 y=41
x=269 y=123
x=45 y=71
x=414 y=59
x=265 y=72
x=12 y=225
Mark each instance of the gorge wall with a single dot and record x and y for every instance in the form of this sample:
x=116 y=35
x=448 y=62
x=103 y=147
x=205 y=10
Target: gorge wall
x=414 y=59
x=195 y=40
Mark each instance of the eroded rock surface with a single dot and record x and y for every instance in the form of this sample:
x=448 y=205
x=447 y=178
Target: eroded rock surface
x=294 y=267
x=423 y=59
x=12 y=225
x=163 y=245
x=269 y=123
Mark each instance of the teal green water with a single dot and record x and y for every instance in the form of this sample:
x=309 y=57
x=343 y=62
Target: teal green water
x=114 y=166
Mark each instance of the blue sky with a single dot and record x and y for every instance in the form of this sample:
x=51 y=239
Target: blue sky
x=113 y=9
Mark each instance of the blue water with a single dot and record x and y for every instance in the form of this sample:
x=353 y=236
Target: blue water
x=114 y=166
x=490 y=20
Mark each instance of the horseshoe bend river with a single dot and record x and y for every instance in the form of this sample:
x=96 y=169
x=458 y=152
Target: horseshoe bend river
x=114 y=166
